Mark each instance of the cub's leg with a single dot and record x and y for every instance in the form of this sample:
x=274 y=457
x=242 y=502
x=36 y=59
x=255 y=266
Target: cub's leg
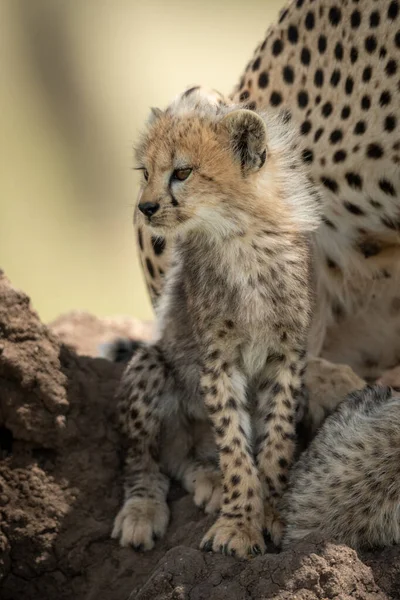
x=278 y=398
x=189 y=455
x=203 y=480
x=238 y=529
x=144 y=515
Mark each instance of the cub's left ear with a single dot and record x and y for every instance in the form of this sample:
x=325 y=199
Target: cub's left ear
x=248 y=138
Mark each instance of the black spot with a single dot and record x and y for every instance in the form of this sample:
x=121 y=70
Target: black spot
x=150 y=267
x=339 y=156
x=276 y=389
x=354 y=180
x=339 y=51
x=393 y=10
x=353 y=54
x=360 y=128
x=322 y=44
x=263 y=80
x=293 y=34
x=349 y=85
x=277 y=47
x=256 y=64
x=331 y=184
x=335 y=77
x=390 y=123
x=158 y=244
x=310 y=21
x=275 y=99
x=391 y=68
x=319 y=78
x=355 y=19
x=305 y=56
x=336 y=136
x=335 y=15
x=140 y=238
x=244 y=95
x=307 y=155
x=235 y=479
x=232 y=403
x=302 y=99
x=367 y=74
x=288 y=74
x=305 y=128
x=387 y=187
x=397 y=39
x=365 y=102
x=375 y=203
x=385 y=98
x=318 y=99
x=345 y=112
x=369 y=248
x=327 y=109
x=353 y=208
x=251 y=105
x=370 y=44
x=318 y=134
x=374 y=19
x=299 y=3
x=374 y=151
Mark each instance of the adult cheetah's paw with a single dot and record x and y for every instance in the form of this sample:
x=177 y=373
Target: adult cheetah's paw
x=273 y=524
x=140 y=522
x=227 y=536
x=207 y=493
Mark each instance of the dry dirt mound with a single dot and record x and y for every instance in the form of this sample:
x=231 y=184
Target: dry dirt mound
x=60 y=487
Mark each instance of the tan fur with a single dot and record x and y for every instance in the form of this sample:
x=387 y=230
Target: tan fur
x=358 y=241
x=232 y=323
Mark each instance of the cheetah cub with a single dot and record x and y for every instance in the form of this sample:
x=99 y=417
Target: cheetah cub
x=229 y=357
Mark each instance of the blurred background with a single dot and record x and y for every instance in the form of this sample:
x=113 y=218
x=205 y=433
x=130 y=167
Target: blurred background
x=77 y=79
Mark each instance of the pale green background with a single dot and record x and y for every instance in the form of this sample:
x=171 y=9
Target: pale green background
x=76 y=80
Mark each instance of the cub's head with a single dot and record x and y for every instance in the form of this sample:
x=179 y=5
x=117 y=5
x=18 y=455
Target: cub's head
x=200 y=160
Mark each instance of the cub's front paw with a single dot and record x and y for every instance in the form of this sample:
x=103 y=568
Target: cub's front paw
x=207 y=492
x=272 y=524
x=232 y=537
x=140 y=522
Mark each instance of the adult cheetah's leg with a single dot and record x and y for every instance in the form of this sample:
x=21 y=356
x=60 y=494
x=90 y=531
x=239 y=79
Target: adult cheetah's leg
x=144 y=516
x=238 y=529
x=278 y=399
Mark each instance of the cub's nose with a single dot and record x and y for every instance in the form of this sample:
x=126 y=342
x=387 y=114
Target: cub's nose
x=149 y=208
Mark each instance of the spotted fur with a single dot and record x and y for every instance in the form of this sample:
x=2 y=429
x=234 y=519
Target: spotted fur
x=233 y=319
x=346 y=485
x=333 y=66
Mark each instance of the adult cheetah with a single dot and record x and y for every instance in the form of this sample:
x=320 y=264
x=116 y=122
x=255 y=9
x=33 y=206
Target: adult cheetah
x=334 y=66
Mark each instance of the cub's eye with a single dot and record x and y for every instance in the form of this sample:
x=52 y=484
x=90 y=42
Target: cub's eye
x=181 y=174
x=146 y=174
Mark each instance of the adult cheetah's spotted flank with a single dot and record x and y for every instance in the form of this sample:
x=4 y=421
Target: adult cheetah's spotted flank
x=335 y=67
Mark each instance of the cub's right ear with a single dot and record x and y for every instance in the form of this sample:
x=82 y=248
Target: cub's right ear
x=248 y=138
x=155 y=113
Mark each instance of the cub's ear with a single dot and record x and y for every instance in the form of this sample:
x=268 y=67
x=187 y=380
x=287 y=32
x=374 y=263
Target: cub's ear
x=248 y=138
x=155 y=113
